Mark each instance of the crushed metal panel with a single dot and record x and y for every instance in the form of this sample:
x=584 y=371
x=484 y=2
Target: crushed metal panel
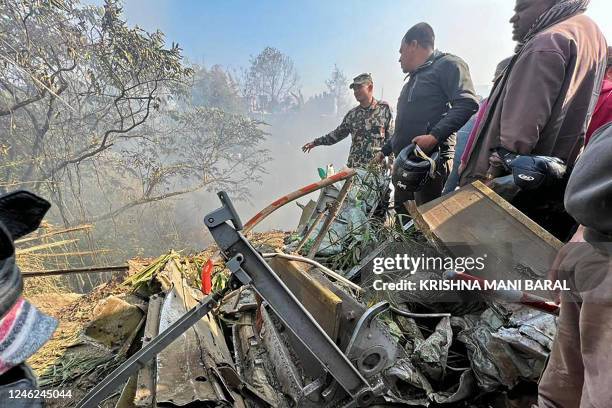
x=319 y=301
x=187 y=370
x=465 y=389
x=126 y=400
x=145 y=389
x=253 y=363
x=407 y=384
x=307 y=212
x=287 y=372
x=431 y=355
x=181 y=375
x=495 y=362
x=539 y=326
x=522 y=343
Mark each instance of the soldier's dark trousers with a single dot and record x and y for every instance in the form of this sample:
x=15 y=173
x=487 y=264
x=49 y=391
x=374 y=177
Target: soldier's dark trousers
x=579 y=372
x=430 y=191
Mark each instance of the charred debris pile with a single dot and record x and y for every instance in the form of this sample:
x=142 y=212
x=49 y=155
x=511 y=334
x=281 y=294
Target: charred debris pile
x=414 y=348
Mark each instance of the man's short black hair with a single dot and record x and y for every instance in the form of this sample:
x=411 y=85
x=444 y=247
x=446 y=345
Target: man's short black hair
x=422 y=33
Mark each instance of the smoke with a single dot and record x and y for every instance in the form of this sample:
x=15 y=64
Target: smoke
x=288 y=170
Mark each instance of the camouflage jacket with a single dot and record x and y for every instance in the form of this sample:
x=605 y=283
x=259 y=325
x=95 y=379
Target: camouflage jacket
x=369 y=127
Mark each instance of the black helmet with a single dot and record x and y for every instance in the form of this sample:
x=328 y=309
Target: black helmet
x=413 y=168
x=533 y=172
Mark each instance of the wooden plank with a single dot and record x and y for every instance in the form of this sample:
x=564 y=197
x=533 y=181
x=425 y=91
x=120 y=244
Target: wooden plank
x=322 y=303
x=474 y=218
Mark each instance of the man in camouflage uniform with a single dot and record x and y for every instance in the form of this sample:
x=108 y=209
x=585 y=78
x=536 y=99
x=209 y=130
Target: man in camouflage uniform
x=370 y=125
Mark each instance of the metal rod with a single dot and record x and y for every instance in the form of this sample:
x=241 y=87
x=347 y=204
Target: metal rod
x=90 y=269
x=512 y=296
x=324 y=269
x=333 y=212
x=406 y=313
x=257 y=218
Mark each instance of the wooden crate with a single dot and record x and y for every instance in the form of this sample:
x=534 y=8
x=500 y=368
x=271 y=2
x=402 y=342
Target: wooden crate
x=474 y=221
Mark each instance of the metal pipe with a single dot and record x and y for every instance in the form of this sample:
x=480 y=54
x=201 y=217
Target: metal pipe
x=257 y=218
x=333 y=212
x=511 y=296
x=324 y=269
x=96 y=269
x=406 y=313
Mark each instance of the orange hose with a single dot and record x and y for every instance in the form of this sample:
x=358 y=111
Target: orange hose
x=257 y=218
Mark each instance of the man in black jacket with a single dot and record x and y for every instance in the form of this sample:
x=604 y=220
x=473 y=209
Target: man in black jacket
x=437 y=100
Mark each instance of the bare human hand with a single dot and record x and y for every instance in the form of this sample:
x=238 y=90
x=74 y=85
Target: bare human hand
x=426 y=142
x=378 y=158
x=308 y=147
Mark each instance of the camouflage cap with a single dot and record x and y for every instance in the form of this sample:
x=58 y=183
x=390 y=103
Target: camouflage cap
x=361 y=79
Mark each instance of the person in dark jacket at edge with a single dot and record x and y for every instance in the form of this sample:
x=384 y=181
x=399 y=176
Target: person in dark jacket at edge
x=578 y=373
x=542 y=103
x=436 y=102
x=603 y=110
